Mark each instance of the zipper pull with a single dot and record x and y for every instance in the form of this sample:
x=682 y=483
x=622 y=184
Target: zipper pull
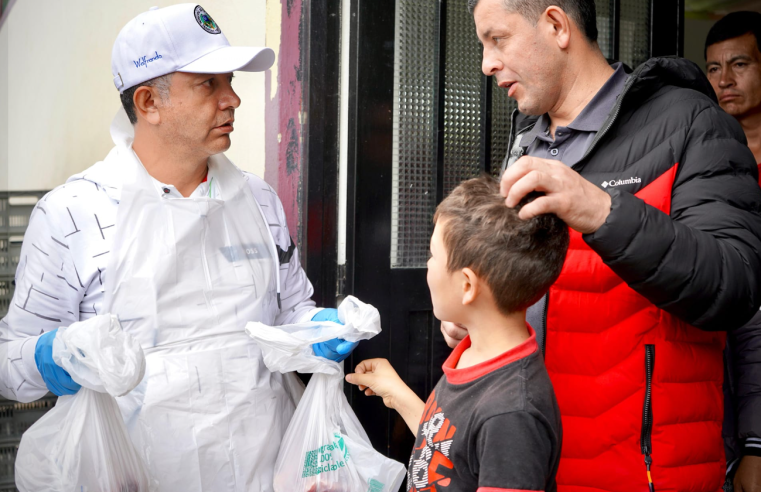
x=648 y=462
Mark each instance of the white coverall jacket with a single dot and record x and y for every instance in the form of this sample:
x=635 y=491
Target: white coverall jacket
x=61 y=279
x=58 y=284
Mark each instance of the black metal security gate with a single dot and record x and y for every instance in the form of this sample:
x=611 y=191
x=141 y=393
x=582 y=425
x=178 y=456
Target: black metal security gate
x=422 y=117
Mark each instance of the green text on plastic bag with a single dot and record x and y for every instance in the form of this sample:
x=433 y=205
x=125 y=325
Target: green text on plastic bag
x=321 y=459
x=375 y=486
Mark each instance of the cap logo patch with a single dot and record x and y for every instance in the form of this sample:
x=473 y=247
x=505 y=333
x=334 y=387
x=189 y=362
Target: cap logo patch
x=205 y=21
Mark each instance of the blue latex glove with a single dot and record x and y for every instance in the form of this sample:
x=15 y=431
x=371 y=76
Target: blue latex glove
x=56 y=379
x=336 y=349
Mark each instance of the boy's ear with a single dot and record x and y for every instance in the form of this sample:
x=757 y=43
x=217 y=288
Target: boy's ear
x=471 y=286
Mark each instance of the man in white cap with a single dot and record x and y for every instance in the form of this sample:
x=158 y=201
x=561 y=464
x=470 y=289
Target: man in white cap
x=167 y=234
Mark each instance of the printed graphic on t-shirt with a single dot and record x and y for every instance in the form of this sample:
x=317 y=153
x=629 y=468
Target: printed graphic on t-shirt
x=430 y=467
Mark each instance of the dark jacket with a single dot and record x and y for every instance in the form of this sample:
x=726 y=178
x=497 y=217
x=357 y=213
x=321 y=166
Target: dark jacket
x=742 y=393
x=701 y=262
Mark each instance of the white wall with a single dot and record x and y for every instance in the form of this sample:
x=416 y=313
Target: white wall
x=695 y=33
x=57 y=97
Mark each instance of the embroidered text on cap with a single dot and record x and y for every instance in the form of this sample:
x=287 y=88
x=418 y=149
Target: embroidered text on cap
x=206 y=22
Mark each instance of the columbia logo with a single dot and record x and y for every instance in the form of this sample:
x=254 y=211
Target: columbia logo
x=619 y=182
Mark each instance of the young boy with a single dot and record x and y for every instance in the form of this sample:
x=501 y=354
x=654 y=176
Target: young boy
x=492 y=423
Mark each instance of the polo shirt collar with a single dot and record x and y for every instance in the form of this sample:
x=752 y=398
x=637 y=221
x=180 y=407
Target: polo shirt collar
x=593 y=115
x=596 y=112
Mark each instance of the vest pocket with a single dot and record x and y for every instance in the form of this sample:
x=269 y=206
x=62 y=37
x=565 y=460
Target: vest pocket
x=647 y=413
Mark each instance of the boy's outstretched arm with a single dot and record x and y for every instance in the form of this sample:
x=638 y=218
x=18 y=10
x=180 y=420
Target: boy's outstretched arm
x=377 y=377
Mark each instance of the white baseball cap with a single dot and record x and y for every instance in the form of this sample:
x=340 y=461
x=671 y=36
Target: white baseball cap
x=180 y=38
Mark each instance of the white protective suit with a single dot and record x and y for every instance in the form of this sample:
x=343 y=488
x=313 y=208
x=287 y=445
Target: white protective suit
x=184 y=275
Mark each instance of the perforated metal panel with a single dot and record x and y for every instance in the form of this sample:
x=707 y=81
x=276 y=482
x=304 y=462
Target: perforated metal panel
x=604 y=27
x=635 y=32
x=414 y=132
x=462 y=97
x=502 y=108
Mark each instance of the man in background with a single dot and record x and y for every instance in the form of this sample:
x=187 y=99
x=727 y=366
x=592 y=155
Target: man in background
x=733 y=66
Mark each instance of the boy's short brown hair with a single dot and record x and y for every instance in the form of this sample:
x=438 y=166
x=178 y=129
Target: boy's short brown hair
x=518 y=259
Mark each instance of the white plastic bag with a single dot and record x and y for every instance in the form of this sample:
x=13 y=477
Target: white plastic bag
x=325 y=448
x=81 y=445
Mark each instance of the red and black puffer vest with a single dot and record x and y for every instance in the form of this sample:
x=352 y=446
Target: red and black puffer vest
x=639 y=390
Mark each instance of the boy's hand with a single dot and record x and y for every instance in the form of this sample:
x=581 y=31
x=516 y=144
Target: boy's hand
x=377 y=377
x=453 y=333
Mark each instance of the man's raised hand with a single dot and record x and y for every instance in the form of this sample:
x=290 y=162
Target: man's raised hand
x=579 y=203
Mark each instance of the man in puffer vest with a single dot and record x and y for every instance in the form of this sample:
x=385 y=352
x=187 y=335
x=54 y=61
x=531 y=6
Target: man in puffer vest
x=662 y=200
